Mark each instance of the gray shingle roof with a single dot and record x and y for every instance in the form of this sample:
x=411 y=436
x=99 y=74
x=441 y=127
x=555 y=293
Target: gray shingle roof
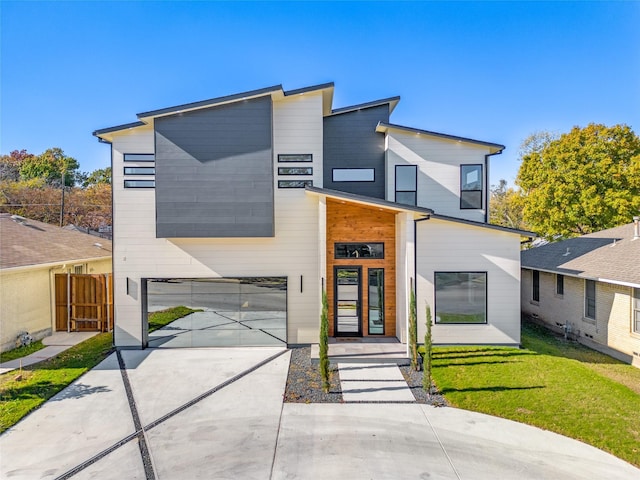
x=609 y=255
x=31 y=242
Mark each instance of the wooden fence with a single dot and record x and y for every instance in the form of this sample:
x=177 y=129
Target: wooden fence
x=84 y=302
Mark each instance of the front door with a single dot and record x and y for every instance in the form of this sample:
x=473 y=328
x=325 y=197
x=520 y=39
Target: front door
x=348 y=301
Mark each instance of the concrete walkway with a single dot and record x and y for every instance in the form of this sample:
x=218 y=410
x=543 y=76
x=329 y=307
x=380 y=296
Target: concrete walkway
x=218 y=414
x=373 y=382
x=54 y=344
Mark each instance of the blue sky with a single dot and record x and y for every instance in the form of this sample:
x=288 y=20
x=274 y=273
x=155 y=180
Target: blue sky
x=494 y=71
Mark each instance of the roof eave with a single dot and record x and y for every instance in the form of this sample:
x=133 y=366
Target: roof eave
x=391 y=101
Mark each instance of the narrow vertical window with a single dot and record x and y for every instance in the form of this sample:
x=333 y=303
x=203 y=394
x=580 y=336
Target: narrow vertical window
x=406 y=184
x=590 y=299
x=559 y=284
x=471 y=187
x=535 y=294
x=636 y=310
x=376 y=301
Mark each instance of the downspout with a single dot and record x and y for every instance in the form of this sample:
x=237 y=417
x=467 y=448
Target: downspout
x=486 y=182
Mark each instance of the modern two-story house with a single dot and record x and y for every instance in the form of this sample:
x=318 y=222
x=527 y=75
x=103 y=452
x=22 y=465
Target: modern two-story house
x=247 y=207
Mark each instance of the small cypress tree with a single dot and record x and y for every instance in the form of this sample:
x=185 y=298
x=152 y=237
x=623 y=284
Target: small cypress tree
x=413 y=331
x=324 y=343
x=428 y=347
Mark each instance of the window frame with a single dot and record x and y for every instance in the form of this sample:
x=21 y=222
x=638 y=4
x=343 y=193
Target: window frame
x=153 y=172
x=481 y=190
x=333 y=175
x=559 y=284
x=635 y=311
x=290 y=183
x=281 y=171
x=395 y=185
x=335 y=250
x=370 y=271
x=128 y=183
x=587 y=315
x=295 y=157
x=486 y=298
x=144 y=158
x=535 y=286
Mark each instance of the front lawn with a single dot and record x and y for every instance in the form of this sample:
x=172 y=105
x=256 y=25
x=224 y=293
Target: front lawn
x=550 y=383
x=21 y=392
x=21 y=351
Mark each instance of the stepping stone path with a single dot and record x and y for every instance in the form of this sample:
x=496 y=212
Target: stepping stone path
x=373 y=382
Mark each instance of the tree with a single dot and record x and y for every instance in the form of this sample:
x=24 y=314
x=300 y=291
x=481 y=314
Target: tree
x=505 y=207
x=584 y=181
x=10 y=164
x=50 y=165
x=324 y=343
x=428 y=354
x=102 y=176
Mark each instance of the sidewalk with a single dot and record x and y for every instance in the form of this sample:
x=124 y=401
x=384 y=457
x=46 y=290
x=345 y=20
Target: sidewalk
x=54 y=344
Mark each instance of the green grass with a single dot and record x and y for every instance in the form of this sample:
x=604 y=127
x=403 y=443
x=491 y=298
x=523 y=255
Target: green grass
x=41 y=381
x=162 y=318
x=21 y=351
x=461 y=318
x=552 y=384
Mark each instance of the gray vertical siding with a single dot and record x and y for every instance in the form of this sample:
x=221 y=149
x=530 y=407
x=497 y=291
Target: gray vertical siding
x=350 y=141
x=214 y=172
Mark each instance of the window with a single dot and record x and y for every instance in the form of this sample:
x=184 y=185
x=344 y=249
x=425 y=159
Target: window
x=359 y=250
x=294 y=183
x=353 y=175
x=139 y=170
x=139 y=184
x=636 y=310
x=376 y=301
x=139 y=157
x=289 y=158
x=470 y=186
x=535 y=294
x=78 y=269
x=559 y=284
x=406 y=184
x=461 y=297
x=590 y=299
x=295 y=170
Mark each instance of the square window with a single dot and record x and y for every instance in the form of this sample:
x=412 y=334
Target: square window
x=461 y=297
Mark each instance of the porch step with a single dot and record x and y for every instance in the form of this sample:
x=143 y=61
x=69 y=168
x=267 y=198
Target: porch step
x=369 y=352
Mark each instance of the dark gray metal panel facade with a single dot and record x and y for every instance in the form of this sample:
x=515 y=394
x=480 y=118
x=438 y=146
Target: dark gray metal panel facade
x=214 y=172
x=351 y=141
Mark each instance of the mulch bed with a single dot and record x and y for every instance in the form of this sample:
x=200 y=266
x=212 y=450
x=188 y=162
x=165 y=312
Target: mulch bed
x=305 y=386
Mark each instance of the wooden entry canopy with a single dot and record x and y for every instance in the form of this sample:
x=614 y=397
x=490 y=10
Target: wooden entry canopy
x=84 y=302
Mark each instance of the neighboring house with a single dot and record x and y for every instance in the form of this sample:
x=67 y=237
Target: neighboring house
x=31 y=254
x=249 y=206
x=589 y=286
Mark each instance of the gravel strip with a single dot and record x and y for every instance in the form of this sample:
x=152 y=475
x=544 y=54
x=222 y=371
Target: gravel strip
x=305 y=386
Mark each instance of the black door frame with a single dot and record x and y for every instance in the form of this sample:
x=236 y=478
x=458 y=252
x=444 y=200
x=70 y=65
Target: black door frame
x=336 y=333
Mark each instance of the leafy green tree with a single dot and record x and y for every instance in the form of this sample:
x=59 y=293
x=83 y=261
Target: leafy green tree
x=584 y=181
x=324 y=344
x=101 y=176
x=50 y=165
x=505 y=207
x=428 y=354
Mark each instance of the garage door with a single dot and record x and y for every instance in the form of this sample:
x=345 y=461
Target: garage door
x=216 y=312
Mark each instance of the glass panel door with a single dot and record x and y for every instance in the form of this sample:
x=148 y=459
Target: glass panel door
x=347 y=303
x=376 y=301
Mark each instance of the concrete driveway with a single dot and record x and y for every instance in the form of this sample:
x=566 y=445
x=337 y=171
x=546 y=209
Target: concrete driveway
x=218 y=414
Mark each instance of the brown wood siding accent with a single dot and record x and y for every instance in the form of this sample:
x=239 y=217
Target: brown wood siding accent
x=91 y=302
x=348 y=222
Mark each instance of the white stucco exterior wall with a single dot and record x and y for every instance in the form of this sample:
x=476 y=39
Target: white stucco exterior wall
x=438 y=161
x=455 y=247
